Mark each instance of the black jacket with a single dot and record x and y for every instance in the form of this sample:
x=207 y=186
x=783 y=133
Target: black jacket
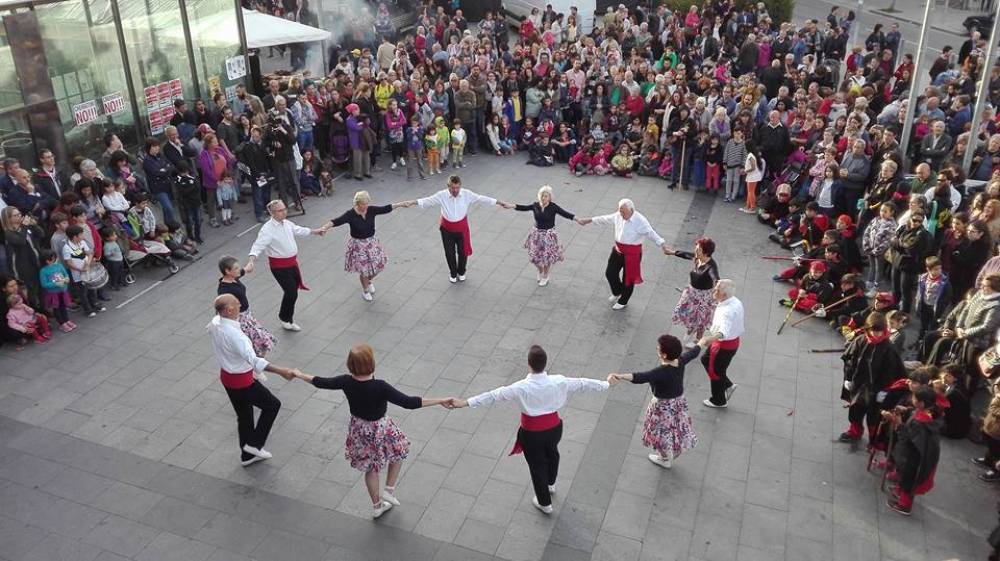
x=870 y=367
x=909 y=247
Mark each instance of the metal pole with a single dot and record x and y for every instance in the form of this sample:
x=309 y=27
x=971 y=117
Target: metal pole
x=856 y=26
x=137 y=123
x=241 y=26
x=189 y=47
x=911 y=106
x=984 y=93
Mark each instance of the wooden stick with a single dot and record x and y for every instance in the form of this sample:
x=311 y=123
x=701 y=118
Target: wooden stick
x=837 y=303
x=888 y=454
x=826 y=350
x=790 y=310
x=788 y=258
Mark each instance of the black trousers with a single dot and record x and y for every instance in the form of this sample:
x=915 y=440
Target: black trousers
x=615 y=273
x=288 y=279
x=454 y=252
x=865 y=410
x=244 y=400
x=717 y=363
x=541 y=451
x=904 y=288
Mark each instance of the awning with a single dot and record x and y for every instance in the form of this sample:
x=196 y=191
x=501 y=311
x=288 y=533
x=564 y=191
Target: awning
x=267 y=31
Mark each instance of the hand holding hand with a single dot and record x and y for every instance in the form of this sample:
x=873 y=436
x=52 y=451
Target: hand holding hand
x=613 y=379
x=248 y=268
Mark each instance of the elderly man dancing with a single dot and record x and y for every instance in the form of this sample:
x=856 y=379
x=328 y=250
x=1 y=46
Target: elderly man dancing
x=722 y=340
x=625 y=262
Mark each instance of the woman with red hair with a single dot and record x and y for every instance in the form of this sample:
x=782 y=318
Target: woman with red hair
x=695 y=308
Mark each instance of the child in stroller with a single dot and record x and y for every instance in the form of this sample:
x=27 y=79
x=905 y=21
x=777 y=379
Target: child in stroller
x=140 y=230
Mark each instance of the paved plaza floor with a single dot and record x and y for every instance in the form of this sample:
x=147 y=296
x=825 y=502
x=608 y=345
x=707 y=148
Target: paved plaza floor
x=117 y=441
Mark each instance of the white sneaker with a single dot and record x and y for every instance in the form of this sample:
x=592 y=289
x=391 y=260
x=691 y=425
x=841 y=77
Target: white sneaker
x=613 y=298
x=389 y=497
x=461 y=278
x=730 y=390
x=659 y=460
x=251 y=461
x=546 y=509
x=382 y=508
x=290 y=326
x=552 y=489
x=452 y=279
x=260 y=453
x=708 y=403
x=371 y=287
x=367 y=297
x=393 y=166
x=618 y=306
x=402 y=162
x=544 y=281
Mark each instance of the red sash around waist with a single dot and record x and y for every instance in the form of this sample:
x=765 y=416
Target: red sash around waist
x=633 y=262
x=236 y=380
x=460 y=227
x=288 y=263
x=539 y=423
x=713 y=351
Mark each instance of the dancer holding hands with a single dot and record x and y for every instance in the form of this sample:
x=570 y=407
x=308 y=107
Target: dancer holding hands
x=695 y=307
x=363 y=254
x=667 y=428
x=542 y=243
x=374 y=442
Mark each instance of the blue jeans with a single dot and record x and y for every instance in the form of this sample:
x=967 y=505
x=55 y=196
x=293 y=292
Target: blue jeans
x=261 y=196
x=167 y=205
x=305 y=140
x=192 y=220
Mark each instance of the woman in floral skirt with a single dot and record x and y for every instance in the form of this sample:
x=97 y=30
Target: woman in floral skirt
x=374 y=442
x=262 y=340
x=543 y=243
x=695 y=307
x=363 y=254
x=667 y=428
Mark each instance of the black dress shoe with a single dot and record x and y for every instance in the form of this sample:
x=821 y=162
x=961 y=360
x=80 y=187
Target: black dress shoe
x=981 y=462
x=990 y=476
x=368 y=175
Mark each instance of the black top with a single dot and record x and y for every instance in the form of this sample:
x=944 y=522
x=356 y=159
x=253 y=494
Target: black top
x=667 y=382
x=545 y=219
x=361 y=227
x=367 y=398
x=238 y=290
x=704 y=276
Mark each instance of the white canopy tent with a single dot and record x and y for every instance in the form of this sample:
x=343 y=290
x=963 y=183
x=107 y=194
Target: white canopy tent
x=264 y=30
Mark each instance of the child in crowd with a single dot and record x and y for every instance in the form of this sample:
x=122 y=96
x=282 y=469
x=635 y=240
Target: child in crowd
x=325 y=183
x=78 y=258
x=622 y=163
x=431 y=148
x=875 y=243
x=601 y=162
x=916 y=452
x=649 y=163
x=176 y=250
x=226 y=195
x=753 y=170
x=734 y=158
x=22 y=318
x=178 y=237
x=457 y=144
x=60 y=221
x=933 y=296
x=114 y=200
x=54 y=279
x=443 y=141
x=897 y=329
x=189 y=197
x=414 y=138
x=957 y=417
x=540 y=153
x=114 y=258
x=713 y=164
x=699 y=151
x=529 y=135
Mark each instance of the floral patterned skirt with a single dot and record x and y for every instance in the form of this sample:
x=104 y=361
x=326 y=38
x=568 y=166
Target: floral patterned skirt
x=667 y=428
x=694 y=309
x=373 y=445
x=543 y=247
x=261 y=339
x=365 y=257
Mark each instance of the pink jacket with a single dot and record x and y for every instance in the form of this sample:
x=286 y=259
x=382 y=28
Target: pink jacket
x=20 y=316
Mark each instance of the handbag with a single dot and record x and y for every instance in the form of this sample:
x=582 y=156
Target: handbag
x=94 y=277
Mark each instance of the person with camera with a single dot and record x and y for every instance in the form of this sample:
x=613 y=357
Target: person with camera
x=253 y=155
x=280 y=137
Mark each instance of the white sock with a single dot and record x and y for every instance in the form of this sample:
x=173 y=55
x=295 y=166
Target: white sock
x=390 y=490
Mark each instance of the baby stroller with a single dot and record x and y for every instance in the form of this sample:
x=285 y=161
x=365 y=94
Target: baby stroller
x=137 y=249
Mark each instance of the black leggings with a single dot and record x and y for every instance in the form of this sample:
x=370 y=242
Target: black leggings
x=541 y=451
x=288 y=279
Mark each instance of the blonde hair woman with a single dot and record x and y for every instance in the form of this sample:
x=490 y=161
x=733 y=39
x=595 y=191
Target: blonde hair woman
x=363 y=254
x=542 y=242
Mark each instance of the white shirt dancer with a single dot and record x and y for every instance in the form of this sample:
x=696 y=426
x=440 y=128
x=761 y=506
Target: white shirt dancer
x=455 y=235
x=624 y=269
x=722 y=340
x=276 y=239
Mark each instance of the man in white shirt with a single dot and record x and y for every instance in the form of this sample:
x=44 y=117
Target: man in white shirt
x=277 y=239
x=540 y=396
x=722 y=340
x=624 y=269
x=455 y=235
x=241 y=374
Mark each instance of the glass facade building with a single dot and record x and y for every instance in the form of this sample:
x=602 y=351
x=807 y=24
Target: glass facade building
x=73 y=71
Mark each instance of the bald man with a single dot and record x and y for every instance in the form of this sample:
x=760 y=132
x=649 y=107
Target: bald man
x=624 y=269
x=241 y=373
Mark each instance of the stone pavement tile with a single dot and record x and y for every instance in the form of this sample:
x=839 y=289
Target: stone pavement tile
x=469 y=474
x=232 y=533
x=58 y=548
x=127 y=500
x=628 y=515
x=675 y=505
x=578 y=425
x=512 y=469
x=763 y=528
x=30 y=471
x=592 y=485
x=812 y=479
x=178 y=517
x=773 y=420
x=857 y=508
x=775 y=391
x=279 y=545
x=480 y=536
x=77 y=485
x=810 y=519
x=666 y=543
x=611 y=547
x=121 y=536
x=185 y=455
x=557 y=552
x=445 y=515
x=723 y=498
x=747 y=553
x=445 y=447
x=728 y=460
x=18 y=538
x=771 y=452
x=449 y=552
x=326 y=494
x=295 y=476
x=68 y=518
x=729 y=426
x=497 y=502
x=807 y=550
x=578 y=526
x=109 y=556
x=639 y=475
x=420 y=481
x=526 y=537
x=65 y=421
x=767 y=487
x=171 y=547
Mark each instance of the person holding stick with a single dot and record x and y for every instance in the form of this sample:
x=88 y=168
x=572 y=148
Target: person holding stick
x=681 y=131
x=871 y=365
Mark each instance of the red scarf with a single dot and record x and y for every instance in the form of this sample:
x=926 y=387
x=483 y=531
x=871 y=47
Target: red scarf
x=875 y=339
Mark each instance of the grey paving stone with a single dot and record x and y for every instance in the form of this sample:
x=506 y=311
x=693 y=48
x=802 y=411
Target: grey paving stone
x=178 y=517
x=628 y=515
x=171 y=547
x=127 y=500
x=279 y=545
x=445 y=515
x=17 y=539
x=121 y=536
x=577 y=526
x=480 y=536
x=764 y=528
x=232 y=533
x=613 y=547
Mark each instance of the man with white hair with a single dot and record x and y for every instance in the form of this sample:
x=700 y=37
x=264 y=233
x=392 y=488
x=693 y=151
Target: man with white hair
x=624 y=269
x=722 y=339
